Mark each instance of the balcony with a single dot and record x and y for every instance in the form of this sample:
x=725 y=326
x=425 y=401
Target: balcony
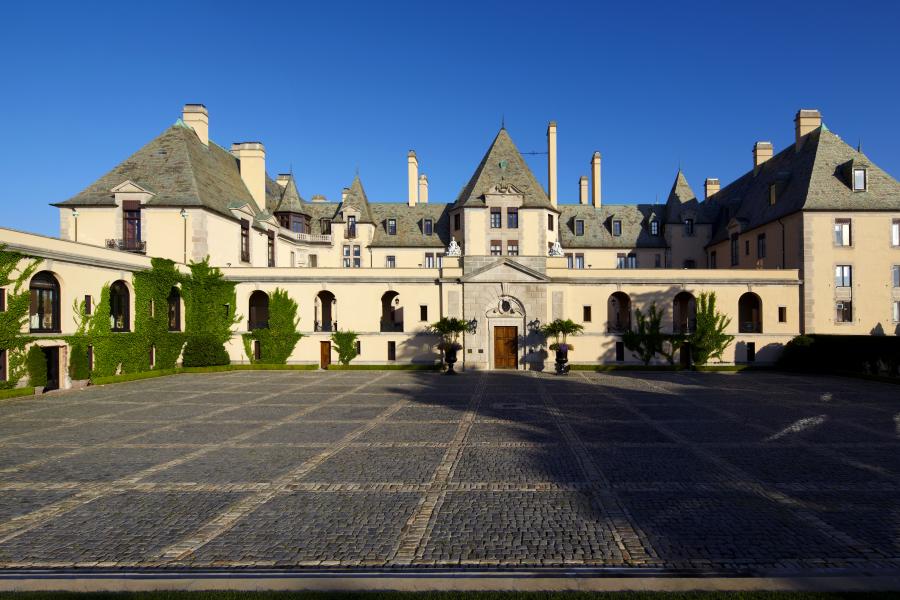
x=314 y=238
x=137 y=246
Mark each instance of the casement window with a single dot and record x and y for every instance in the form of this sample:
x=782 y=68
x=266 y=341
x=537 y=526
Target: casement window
x=390 y=262
x=843 y=312
x=325 y=226
x=712 y=259
x=90 y=358
x=428 y=227
x=270 y=248
x=2 y=299
x=423 y=312
x=579 y=227
x=746 y=247
x=626 y=261
x=895 y=276
x=782 y=314
x=131 y=225
x=842 y=230
x=3 y=368
x=88 y=305
x=392 y=351
x=174 y=309
x=860 y=180
x=734 y=249
x=895 y=233
x=843 y=276
x=654 y=228
x=45 y=303
x=549 y=222
x=579 y=261
x=617 y=228
x=688 y=227
x=456 y=221
x=895 y=311
x=761 y=245
x=119 y=307
x=657 y=261
x=392 y=226
x=586 y=314
x=351 y=226
x=496 y=218
x=512 y=217
x=245 y=240
x=357 y=257
x=440 y=260
x=313 y=260
x=346 y=255
x=429 y=260
x=620 y=260
x=358 y=347
x=512 y=248
x=570 y=260
x=496 y=248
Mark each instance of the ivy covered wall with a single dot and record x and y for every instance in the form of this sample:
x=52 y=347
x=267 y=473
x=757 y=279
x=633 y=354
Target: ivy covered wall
x=15 y=274
x=278 y=339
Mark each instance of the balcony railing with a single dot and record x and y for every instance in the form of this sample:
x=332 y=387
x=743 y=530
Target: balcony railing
x=314 y=238
x=138 y=246
x=327 y=326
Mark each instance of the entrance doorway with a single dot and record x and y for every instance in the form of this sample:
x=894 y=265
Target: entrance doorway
x=51 y=355
x=506 y=347
x=324 y=354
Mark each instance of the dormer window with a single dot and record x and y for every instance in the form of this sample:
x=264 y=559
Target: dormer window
x=392 y=226
x=860 y=180
x=325 y=225
x=428 y=227
x=654 y=228
x=579 y=227
x=617 y=228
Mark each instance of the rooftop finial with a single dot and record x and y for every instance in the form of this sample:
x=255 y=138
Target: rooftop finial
x=502 y=121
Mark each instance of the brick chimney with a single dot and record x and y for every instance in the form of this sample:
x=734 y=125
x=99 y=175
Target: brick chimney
x=551 y=163
x=412 y=171
x=710 y=187
x=197 y=117
x=583 y=189
x=762 y=151
x=252 y=163
x=595 y=173
x=807 y=120
x=423 y=188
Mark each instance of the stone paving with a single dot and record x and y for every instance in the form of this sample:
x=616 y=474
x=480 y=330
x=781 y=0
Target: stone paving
x=763 y=472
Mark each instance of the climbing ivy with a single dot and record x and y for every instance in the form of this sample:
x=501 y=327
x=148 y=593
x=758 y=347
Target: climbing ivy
x=15 y=277
x=345 y=344
x=209 y=302
x=277 y=341
x=151 y=292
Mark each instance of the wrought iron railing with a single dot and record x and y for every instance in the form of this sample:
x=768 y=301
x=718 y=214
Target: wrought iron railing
x=328 y=326
x=127 y=245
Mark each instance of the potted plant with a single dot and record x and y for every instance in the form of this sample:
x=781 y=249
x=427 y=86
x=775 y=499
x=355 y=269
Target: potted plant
x=561 y=329
x=449 y=328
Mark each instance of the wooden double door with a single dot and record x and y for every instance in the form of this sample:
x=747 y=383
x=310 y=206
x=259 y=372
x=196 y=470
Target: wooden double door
x=506 y=347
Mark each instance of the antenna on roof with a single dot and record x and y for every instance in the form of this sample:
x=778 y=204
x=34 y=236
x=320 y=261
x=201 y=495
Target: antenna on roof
x=859 y=145
x=502 y=121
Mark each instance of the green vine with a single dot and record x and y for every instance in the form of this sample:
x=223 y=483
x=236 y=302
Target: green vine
x=209 y=302
x=345 y=345
x=278 y=340
x=15 y=277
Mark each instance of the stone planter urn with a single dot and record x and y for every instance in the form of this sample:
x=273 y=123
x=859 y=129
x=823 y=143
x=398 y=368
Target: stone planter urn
x=450 y=359
x=562 y=360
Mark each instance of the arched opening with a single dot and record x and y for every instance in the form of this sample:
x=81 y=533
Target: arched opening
x=618 y=318
x=326 y=309
x=684 y=313
x=44 y=312
x=174 y=309
x=391 y=312
x=750 y=313
x=119 y=307
x=259 y=311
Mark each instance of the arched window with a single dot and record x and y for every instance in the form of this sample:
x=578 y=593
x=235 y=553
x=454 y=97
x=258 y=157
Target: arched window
x=326 y=319
x=618 y=313
x=259 y=310
x=44 y=313
x=684 y=313
x=119 y=307
x=391 y=312
x=750 y=313
x=174 y=310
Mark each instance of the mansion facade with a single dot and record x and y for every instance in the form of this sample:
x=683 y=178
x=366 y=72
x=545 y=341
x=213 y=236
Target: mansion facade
x=806 y=241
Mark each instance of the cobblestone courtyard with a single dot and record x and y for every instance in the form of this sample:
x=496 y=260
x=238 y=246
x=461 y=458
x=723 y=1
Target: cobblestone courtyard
x=762 y=471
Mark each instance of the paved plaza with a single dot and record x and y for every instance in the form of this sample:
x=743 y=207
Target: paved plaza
x=758 y=472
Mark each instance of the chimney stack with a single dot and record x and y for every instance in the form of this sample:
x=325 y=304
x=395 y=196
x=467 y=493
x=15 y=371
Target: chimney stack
x=806 y=121
x=595 y=173
x=423 y=188
x=283 y=179
x=196 y=117
x=252 y=163
x=344 y=193
x=711 y=187
x=762 y=151
x=551 y=162
x=583 y=189
x=413 y=177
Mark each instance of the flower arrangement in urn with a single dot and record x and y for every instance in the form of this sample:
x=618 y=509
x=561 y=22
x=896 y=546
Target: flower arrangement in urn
x=560 y=330
x=449 y=328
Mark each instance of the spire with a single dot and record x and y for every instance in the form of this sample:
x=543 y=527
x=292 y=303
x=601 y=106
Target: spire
x=680 y=195
x=356 y=198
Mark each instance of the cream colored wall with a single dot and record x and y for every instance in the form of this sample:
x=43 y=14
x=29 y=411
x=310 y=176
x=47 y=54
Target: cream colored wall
x=793 y=241
x=535 y=238
x=405 y=258
x=606 y=258
x=871 y=256
x=164 y=231
x=687 y=247
x=95 y=224
x=475 y=222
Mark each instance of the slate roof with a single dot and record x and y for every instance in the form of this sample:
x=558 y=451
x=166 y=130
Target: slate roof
x=179 y=170
x=286 y=199
x=410 y=225
x=817 y=177
x=503 y=163
x=356 y=198
x=598 y=226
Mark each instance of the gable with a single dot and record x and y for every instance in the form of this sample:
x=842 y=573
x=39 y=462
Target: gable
x=505 y=270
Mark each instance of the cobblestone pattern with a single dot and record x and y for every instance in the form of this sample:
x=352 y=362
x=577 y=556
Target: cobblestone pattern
x=294 y=469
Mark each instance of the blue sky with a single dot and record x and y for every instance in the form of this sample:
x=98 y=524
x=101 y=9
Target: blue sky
x=338 y=86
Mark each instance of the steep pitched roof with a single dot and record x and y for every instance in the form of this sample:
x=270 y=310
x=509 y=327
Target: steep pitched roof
x=635 y=220
x=179 y=170
x=503 y=163
x=411 y=225
x=681 y=197
x=284 y=199
x=356 y=198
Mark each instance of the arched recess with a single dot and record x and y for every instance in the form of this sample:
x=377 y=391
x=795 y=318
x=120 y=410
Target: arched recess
x=391 y=312
x=684 y=313
x=174 y=309
x=326 y=312
x=618 y=313
x=45 y=303
x=119 y=307
x=258 y=311
x=750 y=313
